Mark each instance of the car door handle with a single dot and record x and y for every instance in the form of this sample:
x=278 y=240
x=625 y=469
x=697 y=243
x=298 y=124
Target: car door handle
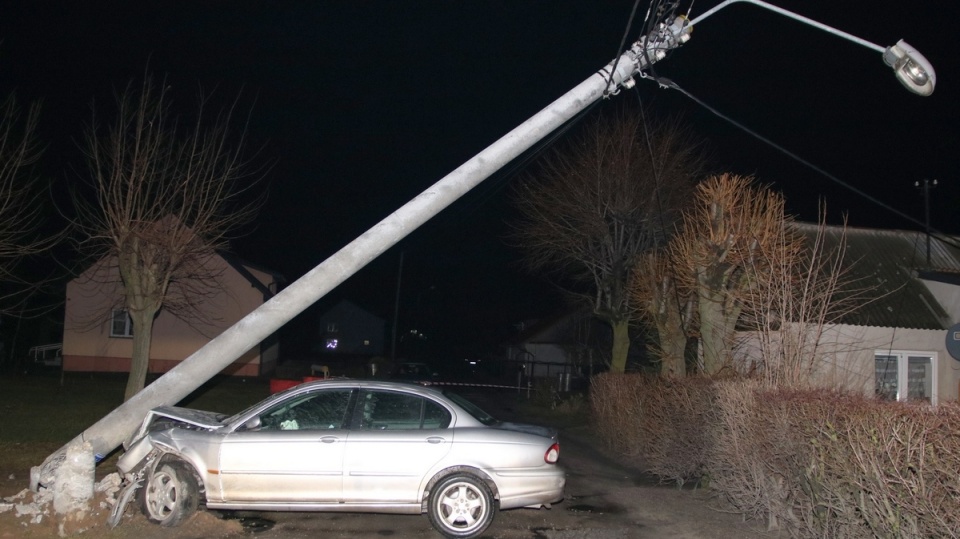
x=329 y=439
x=435 y=440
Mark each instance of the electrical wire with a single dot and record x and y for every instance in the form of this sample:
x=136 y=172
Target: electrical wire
x=623 y=43
x=660 y=210
x=666 y=83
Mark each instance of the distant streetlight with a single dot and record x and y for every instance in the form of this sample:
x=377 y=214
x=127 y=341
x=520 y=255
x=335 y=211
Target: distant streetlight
x=910 y=67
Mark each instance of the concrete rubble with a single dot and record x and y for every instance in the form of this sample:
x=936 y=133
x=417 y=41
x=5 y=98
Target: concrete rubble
x=36 y=507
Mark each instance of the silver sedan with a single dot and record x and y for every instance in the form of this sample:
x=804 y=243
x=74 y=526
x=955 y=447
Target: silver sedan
x=345 y=445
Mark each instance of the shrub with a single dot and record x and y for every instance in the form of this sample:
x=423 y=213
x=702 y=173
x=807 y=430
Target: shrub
x=812 y=462
x=667 y=425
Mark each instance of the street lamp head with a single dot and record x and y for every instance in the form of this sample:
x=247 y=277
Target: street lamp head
x=911 y=68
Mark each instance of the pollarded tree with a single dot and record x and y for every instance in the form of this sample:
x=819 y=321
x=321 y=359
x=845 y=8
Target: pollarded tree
x=597 y=204
x=734 y=240
x=723 y=240
x=167 y=196
x=662 y=300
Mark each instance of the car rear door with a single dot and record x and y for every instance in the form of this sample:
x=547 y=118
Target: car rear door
x=396 y=439
x=295 y=455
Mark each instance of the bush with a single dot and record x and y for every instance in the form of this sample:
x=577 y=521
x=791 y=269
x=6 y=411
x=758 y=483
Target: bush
x=668 y=425
x=815 y=463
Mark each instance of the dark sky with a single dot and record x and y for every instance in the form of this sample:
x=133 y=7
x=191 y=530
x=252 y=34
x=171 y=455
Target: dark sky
x=361 y=105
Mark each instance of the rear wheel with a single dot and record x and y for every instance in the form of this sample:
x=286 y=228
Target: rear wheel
x=171 y=494
x=461 y=506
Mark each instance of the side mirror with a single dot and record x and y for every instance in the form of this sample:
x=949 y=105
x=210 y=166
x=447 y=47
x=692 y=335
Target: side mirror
x=252 y=424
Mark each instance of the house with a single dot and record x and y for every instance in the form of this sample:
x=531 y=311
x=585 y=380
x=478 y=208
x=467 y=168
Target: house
x=568 y=342
x=348 y=330
x=895 y=344
x=97 y=333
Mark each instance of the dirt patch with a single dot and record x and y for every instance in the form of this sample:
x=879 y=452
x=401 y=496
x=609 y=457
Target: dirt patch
x=30 y=515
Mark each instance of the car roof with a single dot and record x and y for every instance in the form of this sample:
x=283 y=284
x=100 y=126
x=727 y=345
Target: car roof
x=369 y=384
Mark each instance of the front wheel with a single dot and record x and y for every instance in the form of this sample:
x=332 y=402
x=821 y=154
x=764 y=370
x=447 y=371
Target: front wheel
x=461 y=506
x=171 y=494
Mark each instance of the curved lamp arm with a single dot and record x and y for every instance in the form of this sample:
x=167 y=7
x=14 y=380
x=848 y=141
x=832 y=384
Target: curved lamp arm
x=910 y=67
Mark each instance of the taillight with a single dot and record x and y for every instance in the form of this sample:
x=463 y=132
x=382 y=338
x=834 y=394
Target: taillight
x=552 y=455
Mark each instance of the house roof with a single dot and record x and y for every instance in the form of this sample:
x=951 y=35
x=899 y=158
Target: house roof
x=552 y=329
x=891 y=265
x=242 y=268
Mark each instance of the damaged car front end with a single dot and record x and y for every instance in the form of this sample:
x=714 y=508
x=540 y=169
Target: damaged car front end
x=166 y=425
x=168 y=434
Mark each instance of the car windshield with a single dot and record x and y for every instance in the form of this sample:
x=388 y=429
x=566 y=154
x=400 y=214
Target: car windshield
x=471 y=408
x=238 y=415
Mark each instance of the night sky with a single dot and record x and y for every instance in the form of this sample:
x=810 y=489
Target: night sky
x=358 y=106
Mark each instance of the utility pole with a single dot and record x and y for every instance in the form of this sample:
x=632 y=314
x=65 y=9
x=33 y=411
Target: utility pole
x=926 y=187
x=109 y=432
x=909 y=66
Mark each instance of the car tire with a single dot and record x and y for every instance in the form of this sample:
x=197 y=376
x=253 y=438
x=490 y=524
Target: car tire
x=171 y=494
x=461 y=506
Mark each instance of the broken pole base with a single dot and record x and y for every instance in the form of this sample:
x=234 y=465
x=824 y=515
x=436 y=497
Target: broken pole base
x=74 y=482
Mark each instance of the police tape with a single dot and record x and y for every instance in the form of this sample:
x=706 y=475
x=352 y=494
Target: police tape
x=464 y=384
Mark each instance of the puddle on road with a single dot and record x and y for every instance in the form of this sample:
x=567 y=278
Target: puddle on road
x=256 y=524
x=595 y=508
x=251 y=525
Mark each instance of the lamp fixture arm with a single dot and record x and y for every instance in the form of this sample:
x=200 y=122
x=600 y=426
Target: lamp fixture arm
x=792 y=15
x=910 y=67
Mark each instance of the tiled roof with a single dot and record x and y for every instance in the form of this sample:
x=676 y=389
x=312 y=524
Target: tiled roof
x=888 y=265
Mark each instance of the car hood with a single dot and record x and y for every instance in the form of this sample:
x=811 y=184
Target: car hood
x=188 y=416
x=199 y=418
x=546 y=432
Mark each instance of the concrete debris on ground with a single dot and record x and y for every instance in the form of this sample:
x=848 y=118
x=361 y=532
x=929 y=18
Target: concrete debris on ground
x=37 y=507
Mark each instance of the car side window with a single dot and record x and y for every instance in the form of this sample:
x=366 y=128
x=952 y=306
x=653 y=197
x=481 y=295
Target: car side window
x=435 y=416
x=386 y=410
x=319 y=410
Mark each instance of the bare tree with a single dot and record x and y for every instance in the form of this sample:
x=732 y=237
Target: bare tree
x=802 y=288
x=166 y=198
x=597 y=204
x=21 y=210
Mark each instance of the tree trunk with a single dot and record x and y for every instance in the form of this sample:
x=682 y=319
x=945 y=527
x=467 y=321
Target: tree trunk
x=140 y=359
x=671 y=333
x=673 y=344
x=621 y=345
x=717 y=325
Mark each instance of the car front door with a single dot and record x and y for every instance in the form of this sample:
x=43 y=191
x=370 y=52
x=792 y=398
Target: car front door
x=294 y=454
x=395 y=440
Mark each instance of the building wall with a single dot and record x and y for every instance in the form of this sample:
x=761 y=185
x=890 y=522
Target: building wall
x=88 y=346
x=355 y=331
x=845 y=356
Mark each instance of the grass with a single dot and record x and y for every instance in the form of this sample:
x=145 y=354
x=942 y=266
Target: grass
x=41 y=413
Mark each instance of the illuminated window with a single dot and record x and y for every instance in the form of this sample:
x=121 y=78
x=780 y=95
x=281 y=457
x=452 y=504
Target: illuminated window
x=120 y=324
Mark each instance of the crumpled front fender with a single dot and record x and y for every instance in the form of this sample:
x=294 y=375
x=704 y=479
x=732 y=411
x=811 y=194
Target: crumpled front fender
x=135 y=455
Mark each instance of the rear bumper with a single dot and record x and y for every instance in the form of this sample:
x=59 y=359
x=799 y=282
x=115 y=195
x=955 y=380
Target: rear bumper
x=530 y=488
